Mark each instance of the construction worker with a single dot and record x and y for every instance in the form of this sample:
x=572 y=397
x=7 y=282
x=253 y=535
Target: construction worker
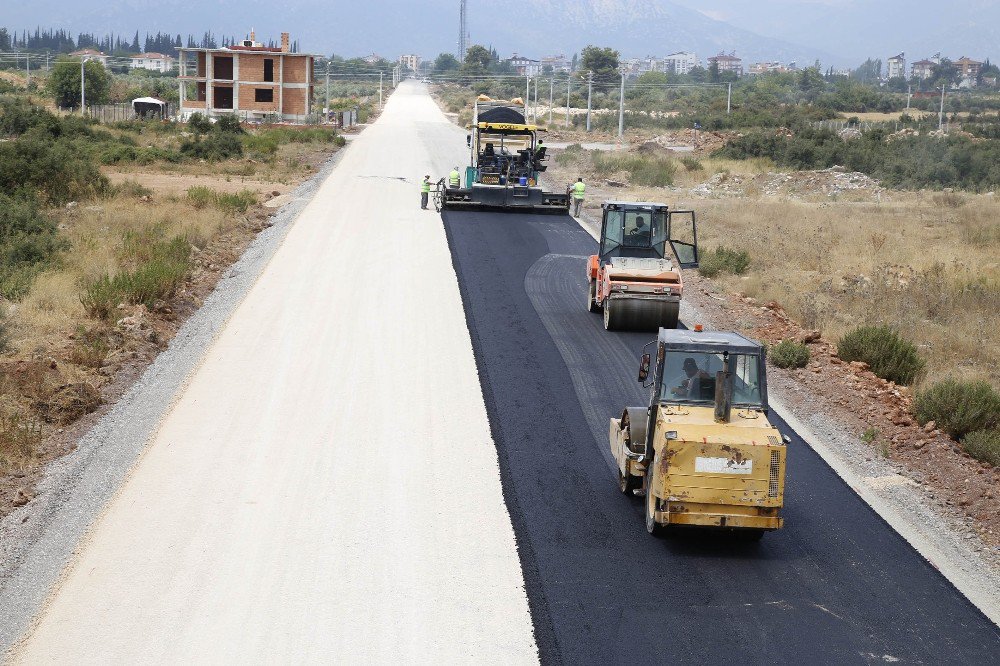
x=455 y=178
x=578 y=189
x=425 y=192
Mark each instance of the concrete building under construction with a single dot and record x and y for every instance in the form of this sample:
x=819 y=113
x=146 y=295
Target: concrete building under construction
x=253 y=81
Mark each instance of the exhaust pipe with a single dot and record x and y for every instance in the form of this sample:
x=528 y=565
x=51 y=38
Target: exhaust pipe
x=724 y=391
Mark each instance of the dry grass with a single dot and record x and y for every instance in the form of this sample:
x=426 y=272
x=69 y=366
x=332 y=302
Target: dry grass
x=929 y=270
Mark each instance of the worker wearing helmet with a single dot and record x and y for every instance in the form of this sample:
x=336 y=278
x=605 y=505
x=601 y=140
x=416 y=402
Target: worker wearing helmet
x=455 y=178
x=425 y=192
x=578 y=189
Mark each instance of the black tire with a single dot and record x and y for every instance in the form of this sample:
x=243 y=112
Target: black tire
x=652 y=526
x=592 y=305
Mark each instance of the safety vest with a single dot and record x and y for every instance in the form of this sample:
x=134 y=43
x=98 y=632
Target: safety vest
x=455 y=178
x=425 y=186
x=578 y=189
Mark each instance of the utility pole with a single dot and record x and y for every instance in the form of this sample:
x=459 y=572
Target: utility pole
x=908 y=93
x=941 y=111
x=552 y=83
x=729 y=99
x=27 y=70
x=534 y=108
x=380 y=90
x=569 y=79
x=83 y=88
x=621 y=111
x=527 y=94
x=327 y=112
x=590 y=90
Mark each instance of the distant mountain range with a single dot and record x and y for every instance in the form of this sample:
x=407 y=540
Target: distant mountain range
x=837 y=32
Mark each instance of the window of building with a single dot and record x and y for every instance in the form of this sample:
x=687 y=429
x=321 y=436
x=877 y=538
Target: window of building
x=268 y=69
x=263 y=95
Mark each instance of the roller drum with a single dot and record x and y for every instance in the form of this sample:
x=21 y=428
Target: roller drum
x=632 y=314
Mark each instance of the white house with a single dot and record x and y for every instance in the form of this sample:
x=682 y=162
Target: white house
x=681 y=62
x=896 y=68
x=91 y=54
x=525 y=66
x=410 y=62
x=156 y=62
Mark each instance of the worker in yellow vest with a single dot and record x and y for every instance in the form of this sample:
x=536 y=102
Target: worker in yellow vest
x=455 y=178
x=578 y=189
x=425 y=192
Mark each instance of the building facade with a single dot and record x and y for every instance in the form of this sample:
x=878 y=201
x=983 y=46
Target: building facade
x=254 y=82
x=727 y=63
x=896 y=67
x=156 y=62
x=91 y=54
x=410 y=62
x=968 y=69
x=922 y=69
x=558 y=63
x=525 y=66
x=681 y=62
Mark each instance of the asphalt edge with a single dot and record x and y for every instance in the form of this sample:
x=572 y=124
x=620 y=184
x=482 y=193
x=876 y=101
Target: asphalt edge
x=34 y=558
x=985 y=599
x=538 y=604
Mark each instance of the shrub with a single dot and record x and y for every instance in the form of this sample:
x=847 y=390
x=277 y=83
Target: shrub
x=261 y=146
x=201 y=197
x=128 y=188
x=229 y=202
x=723 y=260
x=789 y=354
x=199 y=124
x=959 y=407
x=651 y=171
x=213 y=147
x=237 y=201
x=887 y=354
x=159 y=268
x=229 y=123
x=983 y=445
x=691 y=163
x=28 y=240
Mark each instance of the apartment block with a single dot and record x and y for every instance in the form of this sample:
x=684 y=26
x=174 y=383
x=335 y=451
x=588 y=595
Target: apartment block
x=253 y=81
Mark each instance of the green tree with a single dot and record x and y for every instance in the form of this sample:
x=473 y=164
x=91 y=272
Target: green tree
x=603 y=62
x=446 y=62
x=943 y=74
x=870 y=71
x=64 y=83
x=713 y=72
x=811 y=82
x=478 y=56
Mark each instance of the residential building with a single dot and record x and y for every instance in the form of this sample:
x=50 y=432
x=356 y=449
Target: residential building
x=773 y=67
x=373 y=58
x=922 y=69
x=558 y=63
x=251 y=80
x=896 y=67
x=727 y=63
x=156 y=62
x=639 y=66
x=91 y=54
x=681 y=62
x=968 y=69
x=525 y=66
x=410 y=62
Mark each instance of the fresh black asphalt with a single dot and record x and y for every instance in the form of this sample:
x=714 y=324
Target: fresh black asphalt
x=836 y=585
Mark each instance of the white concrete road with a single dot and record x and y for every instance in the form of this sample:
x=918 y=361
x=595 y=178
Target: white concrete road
x=325 y=487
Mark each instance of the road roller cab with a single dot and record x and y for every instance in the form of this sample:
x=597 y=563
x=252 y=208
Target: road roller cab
x=703 y=453
x=635 y=278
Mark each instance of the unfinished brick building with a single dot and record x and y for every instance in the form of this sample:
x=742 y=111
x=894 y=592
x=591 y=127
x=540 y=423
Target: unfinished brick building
x=253 y=81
